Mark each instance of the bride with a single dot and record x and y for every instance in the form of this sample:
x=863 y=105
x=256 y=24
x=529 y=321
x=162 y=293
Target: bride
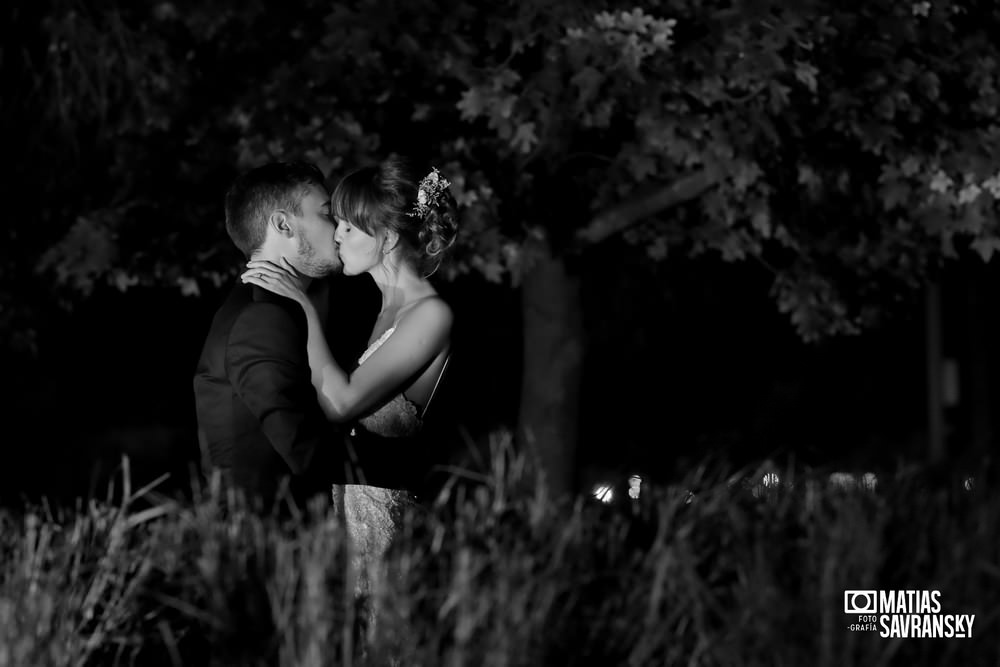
x=396 y=231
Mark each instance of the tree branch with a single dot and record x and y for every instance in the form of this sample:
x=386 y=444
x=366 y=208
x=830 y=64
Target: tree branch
x=624 y=215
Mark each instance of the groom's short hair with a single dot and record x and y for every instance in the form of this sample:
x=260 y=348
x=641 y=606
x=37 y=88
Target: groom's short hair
x=256 y=194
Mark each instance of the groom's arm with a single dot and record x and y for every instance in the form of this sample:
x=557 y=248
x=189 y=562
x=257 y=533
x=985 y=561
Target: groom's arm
x=267 y=365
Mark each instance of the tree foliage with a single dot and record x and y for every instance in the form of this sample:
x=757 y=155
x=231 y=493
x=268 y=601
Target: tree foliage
x=848 y=147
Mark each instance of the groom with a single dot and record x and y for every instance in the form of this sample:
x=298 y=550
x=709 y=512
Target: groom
x=258 y=417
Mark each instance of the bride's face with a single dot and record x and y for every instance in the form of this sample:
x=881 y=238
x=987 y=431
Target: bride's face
x=359 y=250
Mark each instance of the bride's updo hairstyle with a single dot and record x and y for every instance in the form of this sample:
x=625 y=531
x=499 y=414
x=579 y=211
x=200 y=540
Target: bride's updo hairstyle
x=385 y=196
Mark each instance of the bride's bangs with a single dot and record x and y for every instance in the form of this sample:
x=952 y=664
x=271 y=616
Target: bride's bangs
x=349 y=203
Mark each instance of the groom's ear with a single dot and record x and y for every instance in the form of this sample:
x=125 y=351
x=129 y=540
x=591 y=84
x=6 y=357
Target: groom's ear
x=279 y=222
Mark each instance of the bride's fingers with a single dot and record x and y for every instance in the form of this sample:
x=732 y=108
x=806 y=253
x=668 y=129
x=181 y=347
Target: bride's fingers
x=258 y=263
x=269 y=271
x=288 y=267
x=262 y=278
x=252 y=273
x=269 y=275
x=267 y=283
x=264 y=265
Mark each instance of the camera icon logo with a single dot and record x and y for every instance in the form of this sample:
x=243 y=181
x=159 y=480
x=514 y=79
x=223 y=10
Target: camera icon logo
x=860 y=602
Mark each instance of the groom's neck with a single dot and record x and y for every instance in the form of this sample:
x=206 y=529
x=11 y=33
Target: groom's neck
x=275 y=258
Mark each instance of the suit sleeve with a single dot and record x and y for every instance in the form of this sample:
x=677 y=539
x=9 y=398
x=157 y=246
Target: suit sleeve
x=267 y=366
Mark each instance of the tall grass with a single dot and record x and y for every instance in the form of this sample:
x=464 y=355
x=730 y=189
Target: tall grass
x=495 y=573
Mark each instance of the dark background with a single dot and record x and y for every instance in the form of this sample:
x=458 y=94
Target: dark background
x=687 y=359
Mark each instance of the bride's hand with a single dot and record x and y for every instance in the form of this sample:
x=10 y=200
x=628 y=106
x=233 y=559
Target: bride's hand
x=282 y=280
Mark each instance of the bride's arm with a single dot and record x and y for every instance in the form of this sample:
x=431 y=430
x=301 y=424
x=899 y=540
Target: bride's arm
x=418 y=339
x=282 y=281
x=322 y=364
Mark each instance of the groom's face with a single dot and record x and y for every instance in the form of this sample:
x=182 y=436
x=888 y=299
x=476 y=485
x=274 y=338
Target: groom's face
x=316 y=253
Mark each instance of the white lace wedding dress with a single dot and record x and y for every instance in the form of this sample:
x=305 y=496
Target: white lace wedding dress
x=373 y=514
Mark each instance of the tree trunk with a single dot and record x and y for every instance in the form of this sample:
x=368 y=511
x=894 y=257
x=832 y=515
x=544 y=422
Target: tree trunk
x=552 y=314
x=977 y=360
x=935 y=377
x=552 y=367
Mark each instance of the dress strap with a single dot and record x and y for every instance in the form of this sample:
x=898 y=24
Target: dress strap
x=436 y=384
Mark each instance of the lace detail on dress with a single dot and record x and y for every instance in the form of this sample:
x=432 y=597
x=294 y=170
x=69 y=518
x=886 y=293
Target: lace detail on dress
x=373 y=517
x=399 y=417
x=374 y=514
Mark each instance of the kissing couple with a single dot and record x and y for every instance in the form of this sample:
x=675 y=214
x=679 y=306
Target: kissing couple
x=286 y=409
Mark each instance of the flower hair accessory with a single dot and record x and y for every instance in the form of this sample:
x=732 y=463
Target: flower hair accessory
x=432 y=186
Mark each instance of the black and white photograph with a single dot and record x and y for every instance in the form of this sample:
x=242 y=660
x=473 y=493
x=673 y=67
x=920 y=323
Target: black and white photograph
x=526 y=333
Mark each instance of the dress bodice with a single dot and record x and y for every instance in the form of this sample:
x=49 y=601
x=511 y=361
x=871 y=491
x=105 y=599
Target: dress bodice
x=399 y=416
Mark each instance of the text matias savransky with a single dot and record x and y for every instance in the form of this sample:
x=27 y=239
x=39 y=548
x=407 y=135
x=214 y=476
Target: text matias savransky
x=908 y=613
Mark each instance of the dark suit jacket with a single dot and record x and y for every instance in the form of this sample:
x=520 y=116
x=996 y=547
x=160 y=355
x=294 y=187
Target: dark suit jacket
x=258 y=415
